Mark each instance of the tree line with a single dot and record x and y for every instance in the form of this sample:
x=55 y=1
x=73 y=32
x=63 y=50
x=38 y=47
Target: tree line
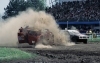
x=16 y=6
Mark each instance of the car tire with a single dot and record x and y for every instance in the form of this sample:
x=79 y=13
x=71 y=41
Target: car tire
x=85 y=41
x=26 y=38
x=74 y=39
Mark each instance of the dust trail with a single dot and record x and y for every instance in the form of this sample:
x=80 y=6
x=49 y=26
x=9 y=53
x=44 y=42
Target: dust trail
x=38 y=20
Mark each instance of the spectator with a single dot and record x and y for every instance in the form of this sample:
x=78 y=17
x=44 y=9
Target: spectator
x=76 y=11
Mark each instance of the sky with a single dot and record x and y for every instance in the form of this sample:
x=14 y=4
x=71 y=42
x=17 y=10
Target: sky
x=3 y=4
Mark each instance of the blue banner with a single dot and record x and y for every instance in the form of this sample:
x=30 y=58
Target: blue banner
x=93 y=22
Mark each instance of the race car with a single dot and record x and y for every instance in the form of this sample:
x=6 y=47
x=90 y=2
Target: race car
x=32 y=37
x=76 y=36
x=25 y=35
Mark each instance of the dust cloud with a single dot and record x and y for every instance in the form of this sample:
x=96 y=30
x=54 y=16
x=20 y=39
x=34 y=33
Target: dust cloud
x=38 y=20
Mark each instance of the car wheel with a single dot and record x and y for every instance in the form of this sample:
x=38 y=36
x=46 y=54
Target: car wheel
x=74 y=39
x=26 y=39
x=85 y=41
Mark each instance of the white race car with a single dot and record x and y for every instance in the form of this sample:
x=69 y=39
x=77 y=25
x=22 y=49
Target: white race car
x=76 y=36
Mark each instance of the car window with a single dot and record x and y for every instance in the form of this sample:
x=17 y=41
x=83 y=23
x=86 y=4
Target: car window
x=76 y=32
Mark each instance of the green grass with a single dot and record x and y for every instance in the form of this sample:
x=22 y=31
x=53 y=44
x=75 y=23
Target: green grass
x=94 y=40
x=97 y=39
x=7 y=54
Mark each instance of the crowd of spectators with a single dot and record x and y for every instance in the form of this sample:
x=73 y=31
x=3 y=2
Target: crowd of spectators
x=76 y=11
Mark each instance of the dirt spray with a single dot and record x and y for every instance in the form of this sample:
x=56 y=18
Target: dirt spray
x=38 y=20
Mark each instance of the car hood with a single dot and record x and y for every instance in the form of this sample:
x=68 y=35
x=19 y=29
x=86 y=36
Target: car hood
x=80 y=35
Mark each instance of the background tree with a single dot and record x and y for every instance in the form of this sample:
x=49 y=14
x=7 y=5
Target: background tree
x=15 y=6
x=36 y=4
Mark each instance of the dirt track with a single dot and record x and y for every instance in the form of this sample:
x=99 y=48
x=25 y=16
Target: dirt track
x=80 y=53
